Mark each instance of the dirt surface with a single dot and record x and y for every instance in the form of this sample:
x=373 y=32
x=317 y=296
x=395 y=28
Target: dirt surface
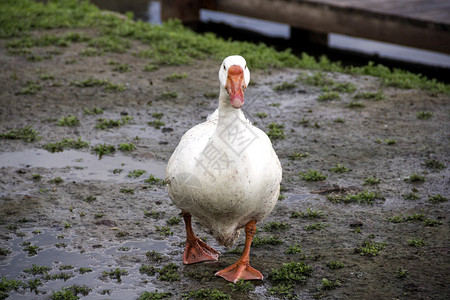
x=105 y=226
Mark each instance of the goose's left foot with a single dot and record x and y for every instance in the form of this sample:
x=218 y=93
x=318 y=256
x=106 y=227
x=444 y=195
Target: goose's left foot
x=242 y=269
x=196 y=250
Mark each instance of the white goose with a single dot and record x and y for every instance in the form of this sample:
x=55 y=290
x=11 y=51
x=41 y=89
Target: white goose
x=226 y=174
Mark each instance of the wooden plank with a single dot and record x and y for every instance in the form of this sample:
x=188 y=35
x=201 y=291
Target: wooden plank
x=323 y=19
x=399 y=8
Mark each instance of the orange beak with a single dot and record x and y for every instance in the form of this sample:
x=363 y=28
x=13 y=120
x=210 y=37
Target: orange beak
x=235 y=86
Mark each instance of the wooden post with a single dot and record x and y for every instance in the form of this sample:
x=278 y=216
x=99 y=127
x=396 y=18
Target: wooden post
x=188 y=11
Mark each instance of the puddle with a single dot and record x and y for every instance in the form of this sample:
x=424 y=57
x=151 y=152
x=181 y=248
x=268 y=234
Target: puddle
x=103 y=259
x=83 y=165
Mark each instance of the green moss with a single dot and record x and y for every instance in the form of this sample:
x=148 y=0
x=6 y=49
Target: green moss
x=310 y=214
x=150 y=67
x=390 y=141
x=294 y=249
x=329 y=284
x=298 y=155
x=339 y=169
x=173 y=221
x=153 y=180
x=4 y=252
x=30 y=88
x=127 y=147
x=35 y=270
x=284 y=86
x=335 y=265
x=83 y=270
x=90 y=82
x=316 y=226
x=66 y=144
x=364 y=197
x=136 y=173
x=103 y=149
x=66 y=267
x=157 y=115
x=154 y=256
x=99 y=215
x=371 y=181
x=242 y=286
x=432 y=223
x=416 y=242
x=354 y=104
x=291 y=272
x=68 y=121
x=272 y=240
x=346 y=87
x=154 y=295
x=411 y=196
x=175 y=77
x=154 y=214
x=211 y=95
x=312 y=175
x=27 y=134
x=56 y=180
x=163 y=230
x=110 y=43
x=47 y=76
x=437 y=199
x=64 y=294
x=32 y=250
x=169 y=273
x=370 y=248
x=424 y=115
x=434 y=164
x=414 y=177
x=210 y=294
x=115 y=274
x=157 y=124
x=168 y=95
x=326 y=96
x=109 y=123
x=317 y=79
x=285 y=290
x=375 y=96
x=148 y=270
x=262 y=115
x=401 y=273
x=276 y=131
x=276 y=226
x=396 y=219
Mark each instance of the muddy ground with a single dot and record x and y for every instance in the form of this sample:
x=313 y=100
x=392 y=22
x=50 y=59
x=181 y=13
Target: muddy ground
x=93 y=219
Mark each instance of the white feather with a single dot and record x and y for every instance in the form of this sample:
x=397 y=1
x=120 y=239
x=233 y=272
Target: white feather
x=224 y=171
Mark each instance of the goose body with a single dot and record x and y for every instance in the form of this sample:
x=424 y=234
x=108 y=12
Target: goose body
x=224 y=172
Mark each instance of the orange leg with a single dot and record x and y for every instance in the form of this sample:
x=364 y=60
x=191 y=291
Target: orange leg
x=196 y=250
x=242 y=269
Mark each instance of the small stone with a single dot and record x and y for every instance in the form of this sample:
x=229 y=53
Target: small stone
x=356 y=223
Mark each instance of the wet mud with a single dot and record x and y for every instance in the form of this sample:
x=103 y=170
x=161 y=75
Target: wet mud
x=103 y=220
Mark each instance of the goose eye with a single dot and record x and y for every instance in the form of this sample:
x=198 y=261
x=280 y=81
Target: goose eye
x=224 y=67
x=245 y=67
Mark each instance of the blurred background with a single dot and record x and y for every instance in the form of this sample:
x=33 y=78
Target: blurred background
x=338 y=47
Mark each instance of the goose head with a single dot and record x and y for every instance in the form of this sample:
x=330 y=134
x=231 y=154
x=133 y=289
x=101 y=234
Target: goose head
x=234 y=77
